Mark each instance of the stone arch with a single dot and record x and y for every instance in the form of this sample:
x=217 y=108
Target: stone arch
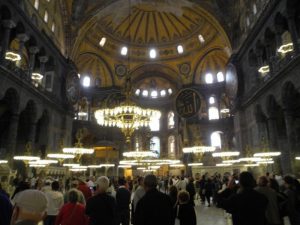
x=5 y=13
x=270 y=42
x=252 y=59
x=290 y=96
x=42 y=133
x=26 y=126
x=142 y=72
x=9 y=105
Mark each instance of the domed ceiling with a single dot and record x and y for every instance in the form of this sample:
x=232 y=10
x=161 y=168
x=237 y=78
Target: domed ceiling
x=141 y=25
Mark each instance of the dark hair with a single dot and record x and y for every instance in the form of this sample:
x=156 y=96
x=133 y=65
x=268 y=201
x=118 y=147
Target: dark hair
x=274 y=184
x=55 y=186
x=247 y=180
x=289 y=180
x=183 y=196
x=140 y=180
x=150 y=181
x=73 y=196
x=262 y=181
x=121 y=181
x=173 y=191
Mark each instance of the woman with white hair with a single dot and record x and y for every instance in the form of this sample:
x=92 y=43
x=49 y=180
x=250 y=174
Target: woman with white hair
x=101 y=208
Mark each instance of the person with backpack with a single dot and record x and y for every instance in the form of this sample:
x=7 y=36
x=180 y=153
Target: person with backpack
x=292 y=192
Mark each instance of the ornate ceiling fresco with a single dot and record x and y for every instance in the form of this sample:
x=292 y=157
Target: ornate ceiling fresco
x=141 y=25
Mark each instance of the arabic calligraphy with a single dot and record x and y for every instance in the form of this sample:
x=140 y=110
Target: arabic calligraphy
x=187 y=103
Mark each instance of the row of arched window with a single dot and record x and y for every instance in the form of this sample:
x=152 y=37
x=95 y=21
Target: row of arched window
x=46 y=14
x=215 y=139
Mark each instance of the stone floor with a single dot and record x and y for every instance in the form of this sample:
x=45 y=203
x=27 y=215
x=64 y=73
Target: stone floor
x=211 y=216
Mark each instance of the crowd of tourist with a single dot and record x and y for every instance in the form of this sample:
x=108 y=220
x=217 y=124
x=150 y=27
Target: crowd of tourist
x=150 y=200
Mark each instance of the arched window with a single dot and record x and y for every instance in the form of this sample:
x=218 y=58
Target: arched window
x=171 y=120
x=97 y=82
x=254 y=9
x=86 y=81
x=213 y=113
x=155 y=145
x=220 y=76
x=212 y=100
x=36 y=4
x=171 y=144
x=46 y=16
x=53 y=27
x=209 y=78
x=137 y=144
x=215 y=139
x=154 y=123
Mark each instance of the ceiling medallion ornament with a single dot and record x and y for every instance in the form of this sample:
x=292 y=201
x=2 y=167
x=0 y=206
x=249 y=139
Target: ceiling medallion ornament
x=187 y=103
x=185 y=69
x=120 y=70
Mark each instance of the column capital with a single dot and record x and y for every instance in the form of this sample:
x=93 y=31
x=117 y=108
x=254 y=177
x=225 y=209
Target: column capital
x=33 y=49
x=8 y=24
x=43 y=59
x=23 y=37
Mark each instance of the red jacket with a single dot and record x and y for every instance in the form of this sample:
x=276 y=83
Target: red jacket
x=86 y=191
x=71 y=214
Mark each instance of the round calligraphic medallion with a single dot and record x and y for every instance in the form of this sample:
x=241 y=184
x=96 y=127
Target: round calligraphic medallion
x=187 y=103
x=72 y=87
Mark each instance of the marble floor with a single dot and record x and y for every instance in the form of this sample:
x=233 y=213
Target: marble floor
x=211 y=216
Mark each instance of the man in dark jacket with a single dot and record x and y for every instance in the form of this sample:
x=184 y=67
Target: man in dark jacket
x=5 y=210
x=247 y=207
x=123 y=201
x=155 y=207
x=101 y=208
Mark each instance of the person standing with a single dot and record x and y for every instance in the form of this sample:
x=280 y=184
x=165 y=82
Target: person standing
x=139 y=193
x=5 y=209
x=272 y=212
x=55 y=202
x=101 y=208
x=72 y=212
x=293 y=199
x=173 y=192
x=30 y=208
x=248 y=207
x=186 y=213
x=208 y=190
x=190 y=188
x=123 y=201
x=155 y=207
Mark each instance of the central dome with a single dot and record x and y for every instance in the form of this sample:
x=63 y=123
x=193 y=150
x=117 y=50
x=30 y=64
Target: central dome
x=153 y=22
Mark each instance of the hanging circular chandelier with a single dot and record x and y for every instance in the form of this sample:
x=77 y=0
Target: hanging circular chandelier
x=199 y=149
x=27 y=156
x=267 y=154
x=128 y=117
x=140 y=154
x=225 y=154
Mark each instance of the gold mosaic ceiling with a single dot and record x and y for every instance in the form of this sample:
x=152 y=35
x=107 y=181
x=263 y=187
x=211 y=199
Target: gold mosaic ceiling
x=145 y=24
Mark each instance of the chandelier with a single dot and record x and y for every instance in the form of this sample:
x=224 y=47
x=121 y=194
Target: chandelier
x=225 y=154
x=27 y=156
x=199 y=149
x=78 y=150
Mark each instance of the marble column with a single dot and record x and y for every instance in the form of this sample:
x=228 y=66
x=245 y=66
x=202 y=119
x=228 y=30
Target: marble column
x=286 y=156
x=32 y=51
x=22 y=39
x=43 y=60
x=12 y=134
x=8 y=25
x=293 y=31
x=272 y=132
x=259 y=54
x=32 y=134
